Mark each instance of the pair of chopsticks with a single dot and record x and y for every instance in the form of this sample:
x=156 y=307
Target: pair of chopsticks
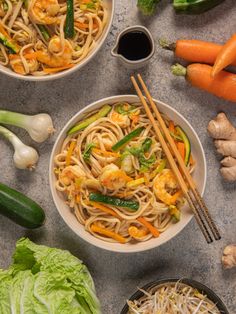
x=188 y=186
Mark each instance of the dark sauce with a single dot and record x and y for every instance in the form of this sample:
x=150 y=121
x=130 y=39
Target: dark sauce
x=134 y=46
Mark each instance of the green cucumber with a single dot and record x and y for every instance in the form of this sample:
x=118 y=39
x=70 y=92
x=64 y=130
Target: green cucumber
x=114 y=201
x=103 y=112
x=194 y=6
x=187 y=144
x=20 y=209
x=69 y=24
x=127 y=138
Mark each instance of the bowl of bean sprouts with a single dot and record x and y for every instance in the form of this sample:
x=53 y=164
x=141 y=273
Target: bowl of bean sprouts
x=47 y=39
x=175 y=296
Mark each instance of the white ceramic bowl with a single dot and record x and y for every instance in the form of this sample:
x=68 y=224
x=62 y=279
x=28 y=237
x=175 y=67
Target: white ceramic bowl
x=69 y=217
x=110 y=4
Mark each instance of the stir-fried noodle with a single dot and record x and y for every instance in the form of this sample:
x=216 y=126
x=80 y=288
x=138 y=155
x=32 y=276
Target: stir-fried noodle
x=33 y=39
x=137 y=171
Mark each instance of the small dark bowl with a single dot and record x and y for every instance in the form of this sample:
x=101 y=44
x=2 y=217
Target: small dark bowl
x=199 y=286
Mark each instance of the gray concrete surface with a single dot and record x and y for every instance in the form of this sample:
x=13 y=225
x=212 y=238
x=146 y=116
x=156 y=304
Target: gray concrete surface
x=116 y=275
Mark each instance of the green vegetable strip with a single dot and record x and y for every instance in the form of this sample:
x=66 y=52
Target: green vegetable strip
x=44 y=32
x=147 y=145
x=103 y=112
x=114 y=201
x=160 y=168
x=187 y=144
x=88 y=151
x=69 y=25
x=194 y=6
x=9 y=44
x=127 y=138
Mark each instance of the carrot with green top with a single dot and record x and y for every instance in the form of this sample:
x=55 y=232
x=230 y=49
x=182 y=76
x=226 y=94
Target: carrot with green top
x=199 y=75
x=193 y=50
x=226 y=56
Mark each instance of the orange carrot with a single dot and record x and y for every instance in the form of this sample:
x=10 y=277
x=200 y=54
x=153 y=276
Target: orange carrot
x=181 y=149
x=149 y=226
x=108 y=233
x=195 y=50
x=226 y=56
x=106 y=153
x=105 y=209
x=171 y=126
x=199 y=75
x=58 y=69
x=85 y=26
x=70 y=152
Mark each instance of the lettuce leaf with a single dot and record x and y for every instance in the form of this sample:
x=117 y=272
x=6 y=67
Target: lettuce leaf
x=46 y=280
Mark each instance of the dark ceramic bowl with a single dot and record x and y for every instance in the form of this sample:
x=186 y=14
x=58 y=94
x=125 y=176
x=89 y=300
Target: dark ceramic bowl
x=199 y=286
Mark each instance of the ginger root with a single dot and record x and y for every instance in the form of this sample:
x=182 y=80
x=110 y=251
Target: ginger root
x=229 y=256
x=224 y=132
x=221 y=128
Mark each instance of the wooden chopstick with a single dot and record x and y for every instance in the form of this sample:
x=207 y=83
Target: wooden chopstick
x=181 y=163
x=171 y=160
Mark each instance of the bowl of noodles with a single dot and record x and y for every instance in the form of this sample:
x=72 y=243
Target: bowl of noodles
x=48 y=39
x=110 y=179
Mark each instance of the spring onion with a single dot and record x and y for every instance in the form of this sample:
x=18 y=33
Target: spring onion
x=39 y=126
x=25 y=157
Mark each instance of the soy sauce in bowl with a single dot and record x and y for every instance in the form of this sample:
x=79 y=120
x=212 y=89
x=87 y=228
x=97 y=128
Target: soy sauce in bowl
x=134 y=46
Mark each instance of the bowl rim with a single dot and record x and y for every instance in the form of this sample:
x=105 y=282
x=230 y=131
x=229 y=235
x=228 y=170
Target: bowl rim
x=211 y=295
x=78 y=66
x=119 y=248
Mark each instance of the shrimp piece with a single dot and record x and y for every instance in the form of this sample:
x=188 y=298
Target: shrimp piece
x=137 y=233
x=51 y=59
x=113 y=178
x=70 y=173
x=120 y=119
x=18 y=67
x=43 y=11
x=162 y=186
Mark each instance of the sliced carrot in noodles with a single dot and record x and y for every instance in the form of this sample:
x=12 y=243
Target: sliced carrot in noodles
x=105 y=209
x=149 y=226
x=70 y=152
x=181 y=149
x=53 y=70
x=108 y=233
x=171 y=126
x=106 y=153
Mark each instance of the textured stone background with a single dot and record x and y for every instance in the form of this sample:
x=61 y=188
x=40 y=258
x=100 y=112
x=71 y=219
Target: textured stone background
x=116 y=275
